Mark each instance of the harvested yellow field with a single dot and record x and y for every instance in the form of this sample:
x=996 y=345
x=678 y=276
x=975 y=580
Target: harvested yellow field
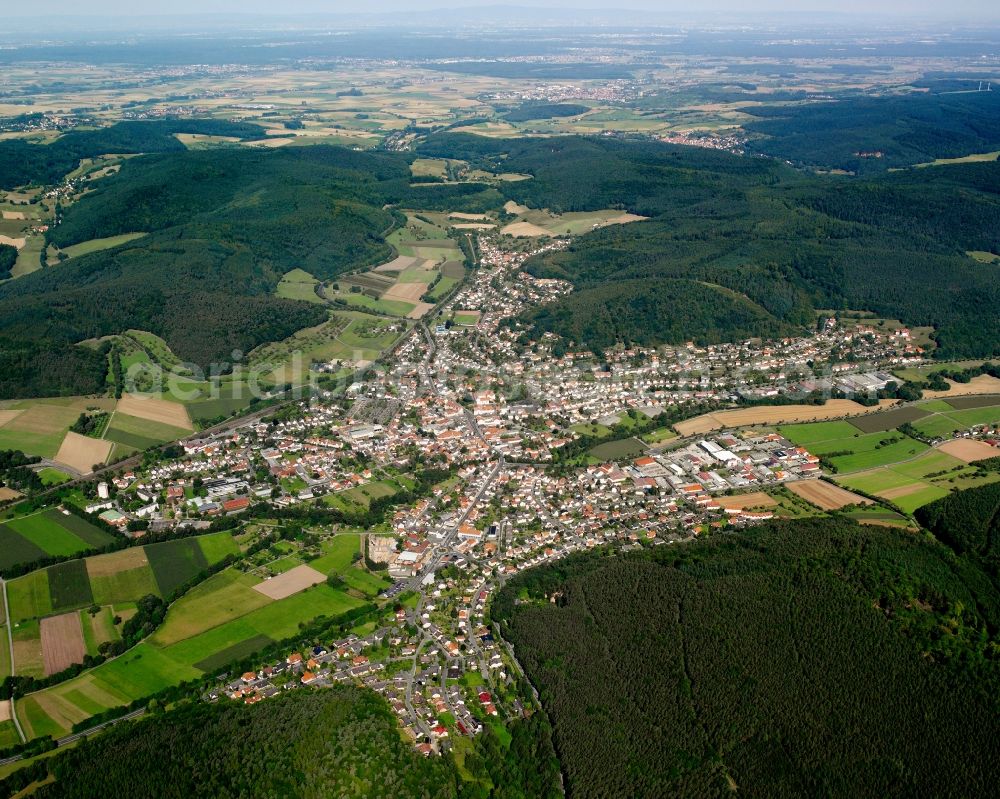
x=7 y=494
x=758 y=499
x=4 y=710
x=19 y=243
x=524 y=230
x=512 y=207
x=115 y=562
x=421 y=309
x=825 y=496
x=969 y=450
x=469 y=217
x=474 y=226
x=407 y=292
x=14 y=215
x=155 y=410
x=776 y=414
x=7 y=416
x=982 y=384
x=291 y=582
x=82 y=453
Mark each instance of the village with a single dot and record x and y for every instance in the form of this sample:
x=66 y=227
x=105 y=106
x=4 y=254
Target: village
x=513 y=434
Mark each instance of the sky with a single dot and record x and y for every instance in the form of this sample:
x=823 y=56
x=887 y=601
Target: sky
x=968 y=11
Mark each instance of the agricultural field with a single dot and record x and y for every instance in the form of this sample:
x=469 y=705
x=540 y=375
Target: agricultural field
x=427 y=267
x=117 y=577
x=156 y=664
x=39 y=426
x=889 y=420
x=963 y=413
x=824 y=495
x=227 y=617
x=915 y=483
x=136 y=433
x=532 y=223
x=47 y=533
x=348 y=339
x=756 y=499
x=775 y=414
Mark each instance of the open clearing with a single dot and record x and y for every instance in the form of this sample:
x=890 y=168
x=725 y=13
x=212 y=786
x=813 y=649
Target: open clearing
x=825 y=496
x=969 y=450
x=82 y=453
x=155 y=410
x=291 y=582
x=775 y=414
x=524 y=230
x=62 y=642
x=758 y=499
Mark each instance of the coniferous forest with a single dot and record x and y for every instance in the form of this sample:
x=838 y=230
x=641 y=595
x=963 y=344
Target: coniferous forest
x=797 y=659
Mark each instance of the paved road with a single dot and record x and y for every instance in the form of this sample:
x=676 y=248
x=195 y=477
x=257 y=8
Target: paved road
x=10 y=645
x=69 y=739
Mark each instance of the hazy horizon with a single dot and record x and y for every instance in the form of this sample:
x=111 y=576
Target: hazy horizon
x=955 y=12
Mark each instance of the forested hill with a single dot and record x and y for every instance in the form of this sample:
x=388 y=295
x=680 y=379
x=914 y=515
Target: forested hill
x=22 y=162
x=739 y=245
x=341 y=742
x=807 y=658
x=223 y=226
x=863 y=134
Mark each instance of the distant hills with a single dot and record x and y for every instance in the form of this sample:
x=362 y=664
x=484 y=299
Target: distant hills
x=739 y=246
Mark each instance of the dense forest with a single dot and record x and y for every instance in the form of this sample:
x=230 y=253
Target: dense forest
x=22 y=162
x=788 y=243
x=968 y=521
x=864 y=134
x=805 y=658
x=8 y=257
x=340 y=742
